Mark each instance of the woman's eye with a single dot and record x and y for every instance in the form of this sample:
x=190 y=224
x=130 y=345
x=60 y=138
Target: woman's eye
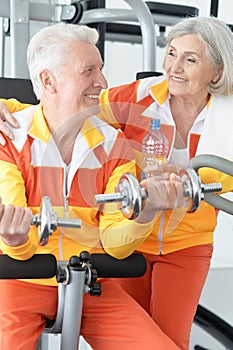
x=190 y=59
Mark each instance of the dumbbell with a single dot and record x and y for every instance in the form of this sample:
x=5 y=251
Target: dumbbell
x=48 y=221
x=130 y=194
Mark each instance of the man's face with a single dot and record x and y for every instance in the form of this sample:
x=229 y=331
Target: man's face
x=81 y=80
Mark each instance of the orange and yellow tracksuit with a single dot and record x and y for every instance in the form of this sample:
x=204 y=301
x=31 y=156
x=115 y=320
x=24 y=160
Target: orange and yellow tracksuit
x=130 y=107
x=32 y=167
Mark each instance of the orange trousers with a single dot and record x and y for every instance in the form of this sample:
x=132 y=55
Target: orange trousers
x=112 y=321
x=171 y=288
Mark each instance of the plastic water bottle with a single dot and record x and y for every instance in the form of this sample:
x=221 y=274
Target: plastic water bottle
x=154 y=147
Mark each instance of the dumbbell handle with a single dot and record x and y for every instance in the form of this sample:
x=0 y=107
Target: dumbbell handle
x=48 y=221
x=130 y=194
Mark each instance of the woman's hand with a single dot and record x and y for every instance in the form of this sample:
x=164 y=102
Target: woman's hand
x=14 y=224
x=5 y=115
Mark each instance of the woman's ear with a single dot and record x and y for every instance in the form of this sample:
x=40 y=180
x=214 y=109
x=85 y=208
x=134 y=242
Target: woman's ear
x=217 y=75
x=48 y=81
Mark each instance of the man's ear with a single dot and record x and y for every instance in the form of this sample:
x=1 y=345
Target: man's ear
x=48 y=81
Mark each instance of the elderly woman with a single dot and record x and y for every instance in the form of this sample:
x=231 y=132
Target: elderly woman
x=193 y=100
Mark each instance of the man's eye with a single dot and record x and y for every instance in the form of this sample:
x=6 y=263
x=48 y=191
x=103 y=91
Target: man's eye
x=170 y=53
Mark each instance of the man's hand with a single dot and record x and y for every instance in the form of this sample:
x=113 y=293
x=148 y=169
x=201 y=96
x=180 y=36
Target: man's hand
x=14 y=224
x=163 y=194
x=5 y=115
x=163 y=169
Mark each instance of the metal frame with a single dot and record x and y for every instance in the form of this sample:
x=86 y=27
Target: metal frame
x=21 y=12
x=75 y=277
x=214 y=8
x=215 y=326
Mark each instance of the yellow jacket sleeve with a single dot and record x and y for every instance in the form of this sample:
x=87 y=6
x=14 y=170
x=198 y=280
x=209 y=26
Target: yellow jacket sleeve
x=12 y=191
x=119 y=235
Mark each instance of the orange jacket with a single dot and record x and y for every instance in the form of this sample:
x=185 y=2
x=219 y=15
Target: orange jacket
x=130 y=108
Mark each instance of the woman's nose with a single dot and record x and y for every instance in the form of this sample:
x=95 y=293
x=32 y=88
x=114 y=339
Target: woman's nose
x=176 y=65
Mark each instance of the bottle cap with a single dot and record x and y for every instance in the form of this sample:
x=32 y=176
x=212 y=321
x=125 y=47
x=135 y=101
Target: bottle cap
x=155 y=124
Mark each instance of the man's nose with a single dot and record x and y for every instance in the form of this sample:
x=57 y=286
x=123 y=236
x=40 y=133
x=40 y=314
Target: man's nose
x=101 y=80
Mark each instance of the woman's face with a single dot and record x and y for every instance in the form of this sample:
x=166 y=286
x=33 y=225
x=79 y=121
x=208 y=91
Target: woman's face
x=189 y=70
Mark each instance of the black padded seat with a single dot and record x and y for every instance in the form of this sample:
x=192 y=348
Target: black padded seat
x=21 y=89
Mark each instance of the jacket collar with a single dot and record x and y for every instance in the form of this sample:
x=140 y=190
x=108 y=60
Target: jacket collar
x=39 y=129
x=160 y=92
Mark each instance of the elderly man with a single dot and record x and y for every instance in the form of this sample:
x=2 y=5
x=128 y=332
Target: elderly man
x=62 y=150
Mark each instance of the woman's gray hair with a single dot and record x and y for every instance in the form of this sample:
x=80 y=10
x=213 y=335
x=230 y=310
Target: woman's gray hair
x=218 y=40
x=50 y=49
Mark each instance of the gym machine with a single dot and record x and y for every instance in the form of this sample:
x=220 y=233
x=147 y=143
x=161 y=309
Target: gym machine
x=75 y=277
x=15 y=17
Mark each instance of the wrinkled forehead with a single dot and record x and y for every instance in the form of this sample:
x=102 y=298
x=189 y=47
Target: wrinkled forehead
x=190 y=43
x=85 y=53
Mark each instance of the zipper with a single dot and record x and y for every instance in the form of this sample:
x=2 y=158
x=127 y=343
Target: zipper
x=161 y=230
x=66 y=206
x=65 y=190
x=66 y=209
